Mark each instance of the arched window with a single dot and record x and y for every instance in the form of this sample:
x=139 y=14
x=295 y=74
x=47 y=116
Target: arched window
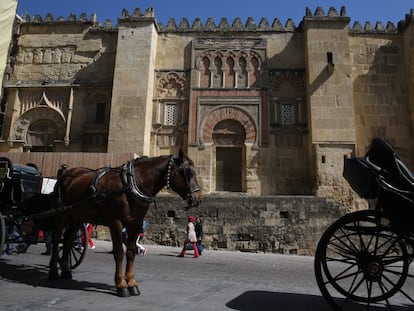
x=205 y=73
x=242 y=80
x=230 y=77
x=288 y=93
x=229 y=69
x=218 y=73
x=255 y=77
x=41 y=135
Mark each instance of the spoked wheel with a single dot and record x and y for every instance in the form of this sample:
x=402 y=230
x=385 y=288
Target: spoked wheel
x=360 y=264
x=79 y=247
x=2 y=234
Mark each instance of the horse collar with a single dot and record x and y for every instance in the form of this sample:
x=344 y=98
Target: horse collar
x=130 y=183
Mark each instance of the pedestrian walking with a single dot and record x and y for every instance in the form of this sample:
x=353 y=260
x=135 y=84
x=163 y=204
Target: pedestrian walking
x=91 y=243
x=191 y=237
x=199 y=234
x=140 y=248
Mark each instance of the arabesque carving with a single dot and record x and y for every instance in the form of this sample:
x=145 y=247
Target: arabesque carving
x=171 y=85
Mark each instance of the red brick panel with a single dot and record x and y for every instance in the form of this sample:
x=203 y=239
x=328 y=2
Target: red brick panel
x=226 y=113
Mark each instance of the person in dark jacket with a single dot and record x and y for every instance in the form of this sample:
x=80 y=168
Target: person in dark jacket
x=199 y=234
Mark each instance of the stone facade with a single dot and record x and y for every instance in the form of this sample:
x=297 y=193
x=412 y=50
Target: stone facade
x=262 y=109
x=274 y=224
x=239 y=222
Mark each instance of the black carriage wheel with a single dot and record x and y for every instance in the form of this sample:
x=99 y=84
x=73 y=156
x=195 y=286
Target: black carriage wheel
x=360 y=261
x=79 y=247
x=2 y=234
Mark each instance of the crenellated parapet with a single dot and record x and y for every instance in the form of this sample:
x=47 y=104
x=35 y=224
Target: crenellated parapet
x=320 y=13
x=71 y=19
x=224 y=26
x=378 y=28
x=409 y=19
x=368 y=28
x=238 y=25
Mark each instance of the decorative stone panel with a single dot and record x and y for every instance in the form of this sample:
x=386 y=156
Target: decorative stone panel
x=226 y=113
x=213 y=109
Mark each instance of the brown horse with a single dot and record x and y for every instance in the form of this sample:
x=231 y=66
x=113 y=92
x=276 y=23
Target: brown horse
x=117 y=198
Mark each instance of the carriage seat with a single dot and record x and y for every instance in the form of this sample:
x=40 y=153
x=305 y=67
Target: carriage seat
x=25 y=170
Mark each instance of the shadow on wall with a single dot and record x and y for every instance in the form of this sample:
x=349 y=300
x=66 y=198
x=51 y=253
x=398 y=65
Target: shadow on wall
x=381 y=98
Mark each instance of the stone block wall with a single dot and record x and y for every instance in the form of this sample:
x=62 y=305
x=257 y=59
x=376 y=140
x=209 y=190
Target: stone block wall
x=278 y=224
x=381 y=93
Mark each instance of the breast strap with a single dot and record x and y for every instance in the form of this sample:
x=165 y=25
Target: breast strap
x=129 y=182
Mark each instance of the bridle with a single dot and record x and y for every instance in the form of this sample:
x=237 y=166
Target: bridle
x=189 y=196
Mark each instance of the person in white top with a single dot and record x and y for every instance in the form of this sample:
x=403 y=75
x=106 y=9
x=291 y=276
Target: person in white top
x=191 y=237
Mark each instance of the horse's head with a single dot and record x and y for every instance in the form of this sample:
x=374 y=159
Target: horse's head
x=182 y=179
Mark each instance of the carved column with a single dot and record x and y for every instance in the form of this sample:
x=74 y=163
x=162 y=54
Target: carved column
x=15 y=108
x=69 y=118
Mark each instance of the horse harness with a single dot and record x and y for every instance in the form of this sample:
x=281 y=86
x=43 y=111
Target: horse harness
x=130 y=186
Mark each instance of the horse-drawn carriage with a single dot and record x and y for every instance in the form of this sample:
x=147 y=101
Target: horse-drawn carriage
x=362 y=261
x=20 y=222
x=116 y=197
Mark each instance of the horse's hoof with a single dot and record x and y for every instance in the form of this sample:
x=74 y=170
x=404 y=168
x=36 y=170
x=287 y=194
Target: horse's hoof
x=53 y=275
x=123 y=292
x=134 y=291
x=67 y=275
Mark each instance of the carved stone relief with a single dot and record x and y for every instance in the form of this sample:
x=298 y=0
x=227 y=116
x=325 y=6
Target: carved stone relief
x=222 y=125
x=39 y=124
x=229 y=132
x=242 y=68
x=171 y=85
x=55 y=99
x=42 y=119
x=280 y=79
x=42 y=133
x=53 y=55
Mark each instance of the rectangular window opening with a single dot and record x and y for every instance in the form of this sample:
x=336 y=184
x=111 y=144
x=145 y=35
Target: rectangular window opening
x=100 y=113
x=288 y=114
x=329 y=57
x=170 y=114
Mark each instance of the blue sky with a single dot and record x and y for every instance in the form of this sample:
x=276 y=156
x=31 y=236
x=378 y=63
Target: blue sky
x=357 y=10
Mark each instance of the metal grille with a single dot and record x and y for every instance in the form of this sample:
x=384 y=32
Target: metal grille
x=170 y=115
x=288 y=114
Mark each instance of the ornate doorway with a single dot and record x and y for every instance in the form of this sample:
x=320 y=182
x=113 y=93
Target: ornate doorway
x=229 y=169
x=229 y=137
